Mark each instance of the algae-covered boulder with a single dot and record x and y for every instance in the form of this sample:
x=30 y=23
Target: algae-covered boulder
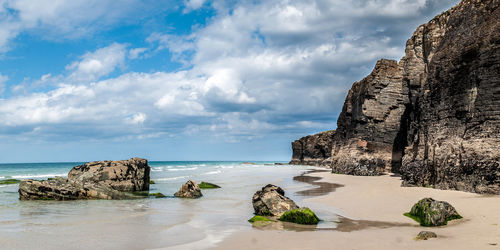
x=258 y=218
x=271 y=201
x=189 y=190
x=152 y=182
x=429 y=212
x=208 y=185
x=300 y=216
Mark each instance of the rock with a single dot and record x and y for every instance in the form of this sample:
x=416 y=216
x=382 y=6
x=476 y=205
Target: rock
x=189 y=190
x=424 y=235
x=93 y=180
x=433 y=117
x=271 y=201
x=157 y=195
x=9 y=181
x=313 y=149
x=152 y=182
x=300 y=216
x=208 y=185
x=429 y=212
x=258 y=218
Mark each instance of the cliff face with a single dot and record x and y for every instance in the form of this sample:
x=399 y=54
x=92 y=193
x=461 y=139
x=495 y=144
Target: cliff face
x=434 y=117
x=454 y=134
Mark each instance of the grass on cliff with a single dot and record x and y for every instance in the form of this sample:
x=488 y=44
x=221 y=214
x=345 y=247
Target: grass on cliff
x=9 y=181
x=300 y=216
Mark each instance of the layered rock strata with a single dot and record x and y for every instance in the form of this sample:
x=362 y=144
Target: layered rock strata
x=434 y=117
x=93 y=180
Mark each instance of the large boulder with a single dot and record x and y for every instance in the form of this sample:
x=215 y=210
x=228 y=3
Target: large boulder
x=300 y=216
x=93 y=180
x=127 y=175
x=190 y=189
x=429 y=212
x=271 y=201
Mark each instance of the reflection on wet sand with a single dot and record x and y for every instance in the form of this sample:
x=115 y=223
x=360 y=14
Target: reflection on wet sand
x=322 y=188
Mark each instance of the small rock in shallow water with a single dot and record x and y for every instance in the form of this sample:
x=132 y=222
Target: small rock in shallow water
x=424 y=235
x=207 y=185
x=189 y=190
x=429 y=212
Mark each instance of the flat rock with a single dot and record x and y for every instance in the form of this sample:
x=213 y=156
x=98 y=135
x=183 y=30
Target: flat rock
x=425 y=235
x=93 y=180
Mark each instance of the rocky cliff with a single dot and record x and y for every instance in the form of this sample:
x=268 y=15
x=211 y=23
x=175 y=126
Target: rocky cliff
x=313 y=149
x=434 y=117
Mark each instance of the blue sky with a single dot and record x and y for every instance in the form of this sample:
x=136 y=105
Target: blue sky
x=188 y=79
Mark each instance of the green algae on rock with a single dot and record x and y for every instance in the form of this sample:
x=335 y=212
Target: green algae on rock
x=430 y=213
x=258 y=218
x=207 y=185
x=158 y=195
x=300 y=216
x=152 y=182
x=9 y=181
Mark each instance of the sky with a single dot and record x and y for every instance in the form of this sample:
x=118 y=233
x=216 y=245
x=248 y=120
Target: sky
x=84 y=80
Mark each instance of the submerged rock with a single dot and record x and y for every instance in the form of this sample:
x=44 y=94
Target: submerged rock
x=208 y=185
x=271 y=201
x=300 y=216
x=158 y=195
x=93 y=180
x=429 y=212
x=424 y=235
x=189 y=190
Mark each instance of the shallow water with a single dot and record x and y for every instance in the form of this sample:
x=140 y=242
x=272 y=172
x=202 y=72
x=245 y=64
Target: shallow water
x=147 y=223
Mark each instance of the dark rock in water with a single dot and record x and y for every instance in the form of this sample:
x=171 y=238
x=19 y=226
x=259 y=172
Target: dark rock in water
x=93 y=180
x=189 y=190
x=271 y=201
x=300 y=216
x=424 y=235
x=208 y=185
x=429 y=212
x=313 y=149
x=433 y=117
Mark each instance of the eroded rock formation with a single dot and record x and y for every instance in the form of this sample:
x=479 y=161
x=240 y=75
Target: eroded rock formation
x=313 y=149
x=271 y=201
x=190 y=189
x=93 y=180
x=434 y=117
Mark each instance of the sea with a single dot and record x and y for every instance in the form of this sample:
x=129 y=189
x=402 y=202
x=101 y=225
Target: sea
x=149 y=223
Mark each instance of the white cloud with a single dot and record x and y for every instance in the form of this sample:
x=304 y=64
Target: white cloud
x=260 y=68
x=94 y=65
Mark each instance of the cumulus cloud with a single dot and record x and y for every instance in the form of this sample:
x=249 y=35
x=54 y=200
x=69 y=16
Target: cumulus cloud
x=258 y=68
x=94 y=65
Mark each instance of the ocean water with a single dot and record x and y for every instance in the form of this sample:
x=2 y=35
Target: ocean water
x=145 y=223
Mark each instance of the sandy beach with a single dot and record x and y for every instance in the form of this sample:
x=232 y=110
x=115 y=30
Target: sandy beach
x=374 y=207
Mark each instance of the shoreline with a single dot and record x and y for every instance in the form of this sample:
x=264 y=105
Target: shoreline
x=371 y=210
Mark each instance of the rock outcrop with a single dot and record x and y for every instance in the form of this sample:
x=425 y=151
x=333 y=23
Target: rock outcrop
x=271 y=201
x=433 y=117
x=93 y=180
x=313 y=149
x=190 y=189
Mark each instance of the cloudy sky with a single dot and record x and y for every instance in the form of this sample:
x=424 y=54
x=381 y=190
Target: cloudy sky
x=88 y=80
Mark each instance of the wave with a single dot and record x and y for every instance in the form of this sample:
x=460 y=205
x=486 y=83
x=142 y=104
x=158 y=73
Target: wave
x=171 y=178
x=182 y=169
x=28 y=176
x=212 y=172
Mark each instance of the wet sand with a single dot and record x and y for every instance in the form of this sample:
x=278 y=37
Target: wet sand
x=371 y=217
